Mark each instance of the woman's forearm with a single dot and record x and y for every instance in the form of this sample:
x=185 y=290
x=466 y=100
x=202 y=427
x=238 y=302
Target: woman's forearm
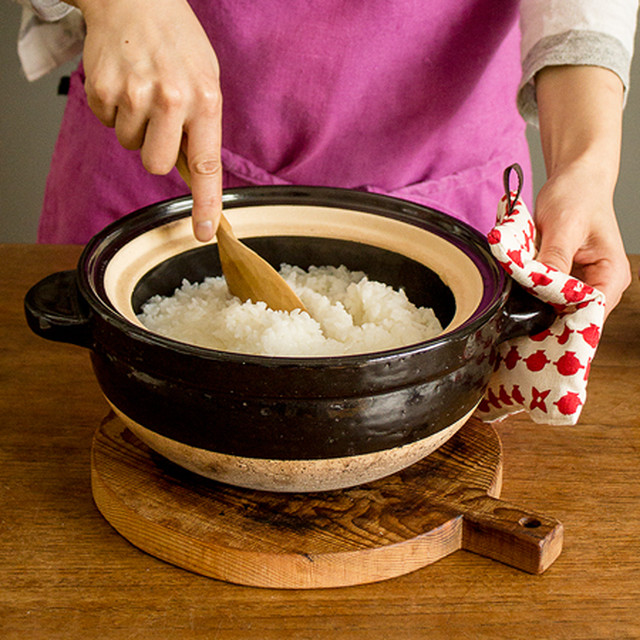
x=580 y=111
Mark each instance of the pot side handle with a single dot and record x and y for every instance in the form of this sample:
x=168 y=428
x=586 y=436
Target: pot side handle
x=524 y=314
x=55 y=310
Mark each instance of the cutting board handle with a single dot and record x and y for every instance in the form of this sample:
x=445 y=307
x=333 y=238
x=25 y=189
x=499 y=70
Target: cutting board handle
x=507 y=533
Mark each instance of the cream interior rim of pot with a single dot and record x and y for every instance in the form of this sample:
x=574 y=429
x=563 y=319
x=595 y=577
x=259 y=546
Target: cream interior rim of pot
x=130 y=263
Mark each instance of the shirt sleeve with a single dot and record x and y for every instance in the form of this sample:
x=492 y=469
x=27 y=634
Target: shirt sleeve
x=573 y=32
x=47 y=10
x=51 y=33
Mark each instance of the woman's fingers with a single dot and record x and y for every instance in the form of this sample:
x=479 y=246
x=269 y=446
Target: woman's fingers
x=131 y=126
x=612 y=276
x=163 y=135
x=205 y=166
x=102 y=104
x=598 y=260
x=561 y=238
x=580 y=234
x=152 y=75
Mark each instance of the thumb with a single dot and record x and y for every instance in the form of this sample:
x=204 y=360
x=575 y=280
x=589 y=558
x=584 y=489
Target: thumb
x=557 y=250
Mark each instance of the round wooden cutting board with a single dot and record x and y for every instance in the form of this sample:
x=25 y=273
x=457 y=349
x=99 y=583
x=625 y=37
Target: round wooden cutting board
x=390 y=527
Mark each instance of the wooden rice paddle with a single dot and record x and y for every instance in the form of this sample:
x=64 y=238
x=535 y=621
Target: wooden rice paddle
x=248 y=276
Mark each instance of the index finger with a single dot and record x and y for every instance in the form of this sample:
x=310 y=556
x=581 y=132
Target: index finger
x=203 y=156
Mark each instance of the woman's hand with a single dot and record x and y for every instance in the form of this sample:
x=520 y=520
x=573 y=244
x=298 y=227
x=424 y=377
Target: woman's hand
x=580 y=111
x=580 y=233
x=152 y=74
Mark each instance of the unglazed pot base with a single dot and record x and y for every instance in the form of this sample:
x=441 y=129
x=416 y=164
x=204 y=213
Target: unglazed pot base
x=299 y=476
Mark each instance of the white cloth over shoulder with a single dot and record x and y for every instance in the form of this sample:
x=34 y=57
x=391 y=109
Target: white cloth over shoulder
x=51 y=33
x=47 y=10
x=574 y=32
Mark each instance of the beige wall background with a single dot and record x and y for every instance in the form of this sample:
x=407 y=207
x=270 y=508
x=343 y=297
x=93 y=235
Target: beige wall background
x=31 y=114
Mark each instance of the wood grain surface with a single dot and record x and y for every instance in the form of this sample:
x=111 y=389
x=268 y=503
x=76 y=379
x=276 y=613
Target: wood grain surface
x=66 y=573
x=376 y=531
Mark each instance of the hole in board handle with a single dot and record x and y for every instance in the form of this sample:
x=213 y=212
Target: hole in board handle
x=529 y=522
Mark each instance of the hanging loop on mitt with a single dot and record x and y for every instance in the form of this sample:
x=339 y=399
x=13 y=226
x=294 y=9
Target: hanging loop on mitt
x=506 y=177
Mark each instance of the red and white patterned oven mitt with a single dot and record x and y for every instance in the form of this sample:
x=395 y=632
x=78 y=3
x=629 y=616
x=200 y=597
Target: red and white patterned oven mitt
x=546 y=374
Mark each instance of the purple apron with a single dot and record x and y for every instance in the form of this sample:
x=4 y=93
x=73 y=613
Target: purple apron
x=406 y=98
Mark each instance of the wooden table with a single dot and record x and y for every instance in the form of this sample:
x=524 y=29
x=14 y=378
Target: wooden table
x=65 y=573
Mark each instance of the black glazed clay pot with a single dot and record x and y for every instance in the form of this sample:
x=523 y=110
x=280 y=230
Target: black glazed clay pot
x=281 y=423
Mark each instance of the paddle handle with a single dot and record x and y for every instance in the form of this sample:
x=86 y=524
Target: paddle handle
x=248 y=276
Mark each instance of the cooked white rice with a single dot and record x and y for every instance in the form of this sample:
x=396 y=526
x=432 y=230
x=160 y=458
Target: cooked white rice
x=347 y=314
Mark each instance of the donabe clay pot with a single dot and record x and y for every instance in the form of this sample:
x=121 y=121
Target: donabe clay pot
x=281 y=423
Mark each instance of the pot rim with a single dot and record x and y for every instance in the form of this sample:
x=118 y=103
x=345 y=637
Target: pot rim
x=105 y=244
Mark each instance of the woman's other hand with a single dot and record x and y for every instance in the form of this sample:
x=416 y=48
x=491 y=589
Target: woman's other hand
x=580 y=111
